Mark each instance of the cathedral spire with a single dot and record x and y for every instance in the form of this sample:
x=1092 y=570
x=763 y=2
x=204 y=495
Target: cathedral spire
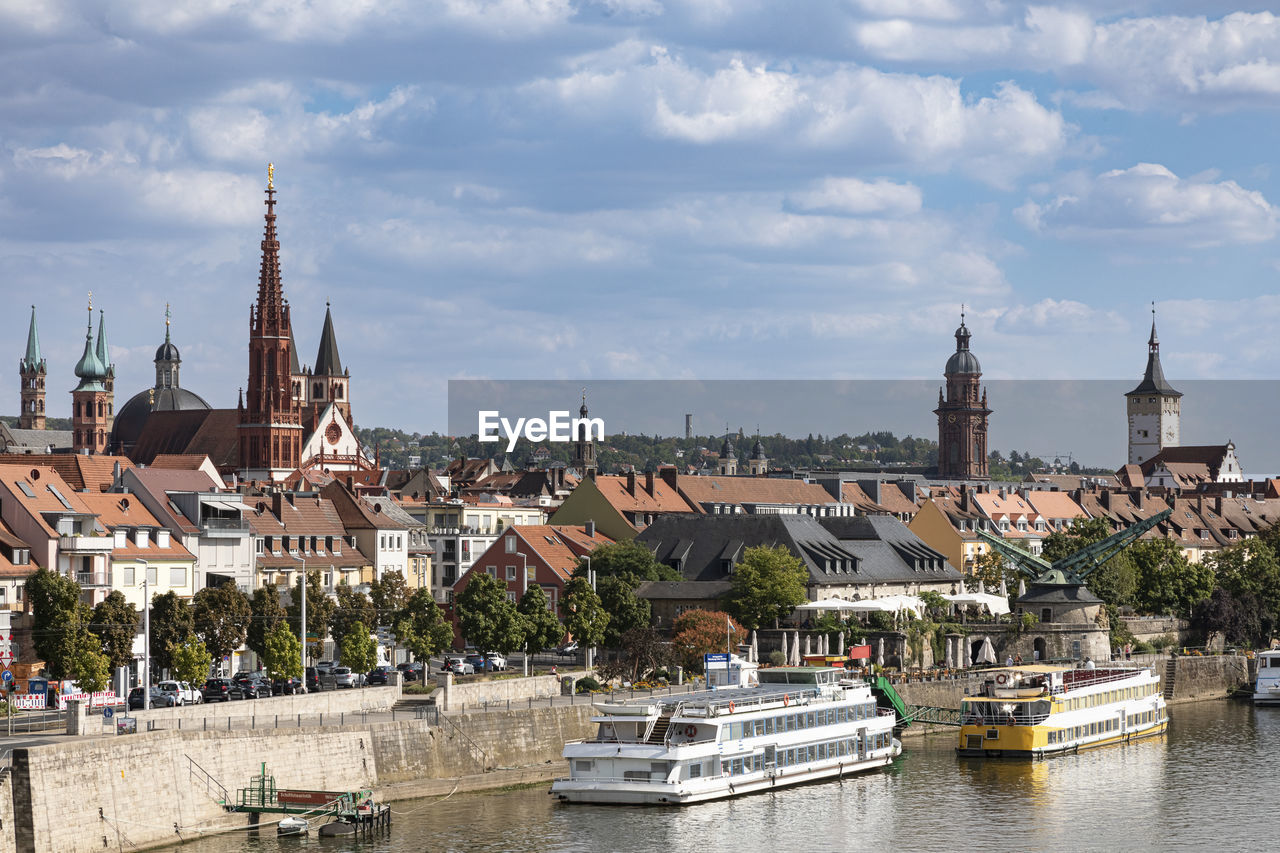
x=328 y=363
x=33 y=359
x=1153 y=381
x=102 y=348
x=270 y=288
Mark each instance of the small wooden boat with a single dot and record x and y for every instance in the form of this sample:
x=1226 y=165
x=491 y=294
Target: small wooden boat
x=292 y=826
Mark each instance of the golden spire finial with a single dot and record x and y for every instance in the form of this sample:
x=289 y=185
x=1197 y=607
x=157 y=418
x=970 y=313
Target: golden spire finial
x=271 y=176
x=90 y=301
x=166 y=315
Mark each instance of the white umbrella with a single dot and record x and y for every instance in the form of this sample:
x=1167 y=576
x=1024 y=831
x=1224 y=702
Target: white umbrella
x=840 y=650
x=880 y=652
x=808 y=645
x=986 y=654
x=795 y=648
x=995 y=603
x=981 y=587
x=786 y=658
x=1004 y=589
x=755 y=647
x=829 y=604
x=950 y=658
x=966 y=650
x=1022 y=587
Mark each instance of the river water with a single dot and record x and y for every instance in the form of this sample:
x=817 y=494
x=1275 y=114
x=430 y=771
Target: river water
x=1207 y=784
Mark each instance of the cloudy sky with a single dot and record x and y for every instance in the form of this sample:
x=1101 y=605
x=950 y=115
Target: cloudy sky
x=592 y=189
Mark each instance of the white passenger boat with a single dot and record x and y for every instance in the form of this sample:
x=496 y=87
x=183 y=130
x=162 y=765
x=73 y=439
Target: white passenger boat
x=1038 y=710
x=1266 y=689
x=799 y=724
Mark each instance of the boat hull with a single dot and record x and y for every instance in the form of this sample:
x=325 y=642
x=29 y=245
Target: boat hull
x=664 y=794
x=1071 y=747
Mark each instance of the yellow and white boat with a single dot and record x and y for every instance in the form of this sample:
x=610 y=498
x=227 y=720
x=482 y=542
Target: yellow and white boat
x=1037 y=710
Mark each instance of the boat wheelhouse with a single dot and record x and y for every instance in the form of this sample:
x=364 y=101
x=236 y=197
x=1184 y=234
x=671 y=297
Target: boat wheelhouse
x=798 y=725
x=1266 y=688
x=1038 y=710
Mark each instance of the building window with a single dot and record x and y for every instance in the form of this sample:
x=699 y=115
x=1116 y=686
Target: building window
x=177 y=576
x=127 y=576
x=510 y=544
x=511 y=573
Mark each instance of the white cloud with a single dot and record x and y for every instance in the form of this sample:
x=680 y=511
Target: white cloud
x=926 y=123
x=1150 y=203
x=858 y=197
x=1057 y=316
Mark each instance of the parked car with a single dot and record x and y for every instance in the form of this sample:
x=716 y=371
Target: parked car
x=378 y=675
x=458 y=665
x=344 y=677
x=476 y=660
x=496 y=661
x=319 y=679
x=410 y=671
x=253 y=685
x=159 y=699
x=222 y=690
x=568 y=649
x=182 y=691
x=286 y=686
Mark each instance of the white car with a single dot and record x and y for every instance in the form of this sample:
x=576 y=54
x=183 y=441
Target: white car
x=182 y=692
x=496 y=661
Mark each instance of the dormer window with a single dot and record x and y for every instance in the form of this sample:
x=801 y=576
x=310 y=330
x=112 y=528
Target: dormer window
x=121 y=537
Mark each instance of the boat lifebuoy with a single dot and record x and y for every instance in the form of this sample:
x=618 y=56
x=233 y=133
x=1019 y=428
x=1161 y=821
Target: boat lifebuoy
x=730 y=707
x=690 y=731
x=1002 y=678
x=786 y=699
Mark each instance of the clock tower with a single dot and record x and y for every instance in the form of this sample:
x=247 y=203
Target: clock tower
x=1154 y=408
x=962 y=415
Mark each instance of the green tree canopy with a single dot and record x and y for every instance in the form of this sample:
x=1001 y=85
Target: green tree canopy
x=358 y=650
x=55 y=608
x=115 y=621
x=353 y=608
x=87 y=664
x=221 y=617
x=282 y=654
x=265 y=613
x=584 y=616
x=629 y=560
x=487 y=618
x=191 y=660
x=171 y=624
x=1116 y=582
x=388 y=596
x=767 y=586
x=1167 y=582
x=625 y=610
x=421 y=625
x=543 y=629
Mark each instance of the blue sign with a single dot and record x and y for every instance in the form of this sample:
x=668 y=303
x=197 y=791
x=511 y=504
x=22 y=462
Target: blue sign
x=108 y=712
x=718 y=657
x=8 y=676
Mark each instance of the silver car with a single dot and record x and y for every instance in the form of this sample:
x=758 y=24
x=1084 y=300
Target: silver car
x=458 y=665
x=343 y=676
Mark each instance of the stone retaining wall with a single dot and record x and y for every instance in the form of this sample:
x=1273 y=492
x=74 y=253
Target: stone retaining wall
x=1207 y=677
x=454 y=697
x=147 y=783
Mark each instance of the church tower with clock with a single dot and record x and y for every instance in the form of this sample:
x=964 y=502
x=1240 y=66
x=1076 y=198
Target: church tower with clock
x=962 y=415
x=1154 y=408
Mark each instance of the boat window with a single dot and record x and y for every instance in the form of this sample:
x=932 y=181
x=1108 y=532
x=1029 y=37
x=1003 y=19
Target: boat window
x=695 y=770
x=583 y=766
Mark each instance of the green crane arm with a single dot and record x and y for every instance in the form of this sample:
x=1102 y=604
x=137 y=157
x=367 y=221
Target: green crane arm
x=1090 y=558
x=1029 y=564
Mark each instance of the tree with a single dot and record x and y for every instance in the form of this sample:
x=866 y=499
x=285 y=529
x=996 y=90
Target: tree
x=319 y=608
x=115 y=621
x=643 y=651
x=487 y=618
x=221 y=616
x=584 y=616
x=282 y=652
x=87 y=665
x=55 y=605
x=421 y=625
x=626 y=611
x=171 y=624
x=991 y=567
x=1166 y=581
x=353 y=608
x=700 y=632
x=626 y=559
x=265 y=613
x=191 y=660
x=767 y=586
x=542 y=627
x=1240 y=618
x=389 y=596
x=358 y=649
x=1116 y=581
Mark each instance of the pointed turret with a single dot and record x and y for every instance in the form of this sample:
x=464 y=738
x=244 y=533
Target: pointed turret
x=1154 y=408
x=91 y=409
x=31 y=371
x=90 y=369
x=328 y=363
x=1153 y=381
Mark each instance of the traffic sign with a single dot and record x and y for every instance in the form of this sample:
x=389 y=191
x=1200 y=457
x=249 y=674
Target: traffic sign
x=108 y=712
x=718 y=657
x=7 y=676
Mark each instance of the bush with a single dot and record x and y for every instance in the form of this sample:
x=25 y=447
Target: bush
x=1142 y=647
x=418 y=689
x=659 y=673
x=777 y=658
x=1164 y=641
x=587 y=685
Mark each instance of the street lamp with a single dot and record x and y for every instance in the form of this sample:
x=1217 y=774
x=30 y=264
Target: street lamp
x=146 y=635
x=591 y=578
x=302 y=622
x=524 y=588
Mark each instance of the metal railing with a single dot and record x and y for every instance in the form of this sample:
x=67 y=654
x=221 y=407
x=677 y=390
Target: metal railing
x=213 y=789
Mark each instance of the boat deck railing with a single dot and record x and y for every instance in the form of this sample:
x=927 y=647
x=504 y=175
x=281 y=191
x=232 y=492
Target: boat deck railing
x=997 y=716
x=1074 y=679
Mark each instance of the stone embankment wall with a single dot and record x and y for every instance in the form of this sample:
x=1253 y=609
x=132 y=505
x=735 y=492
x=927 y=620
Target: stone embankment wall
x=1148 y=628
x=147 y=784
x=1205 y=677
x=455 y=697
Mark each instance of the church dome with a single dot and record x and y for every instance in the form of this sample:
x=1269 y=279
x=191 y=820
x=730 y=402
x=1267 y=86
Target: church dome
x=132 y=416
x=167 y=352
x=962 y=361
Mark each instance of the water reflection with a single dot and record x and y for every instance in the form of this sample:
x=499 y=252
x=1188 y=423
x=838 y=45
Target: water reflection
x=1201 y=786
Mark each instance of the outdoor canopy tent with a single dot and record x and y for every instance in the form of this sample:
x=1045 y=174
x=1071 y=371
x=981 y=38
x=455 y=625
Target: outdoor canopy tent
x=889 y=604
x=997 y=604
x=829 y=604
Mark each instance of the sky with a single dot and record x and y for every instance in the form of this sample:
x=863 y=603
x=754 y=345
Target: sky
x=644 y=189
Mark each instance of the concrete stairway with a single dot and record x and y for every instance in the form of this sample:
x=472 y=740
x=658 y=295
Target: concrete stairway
x=1170 y=673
